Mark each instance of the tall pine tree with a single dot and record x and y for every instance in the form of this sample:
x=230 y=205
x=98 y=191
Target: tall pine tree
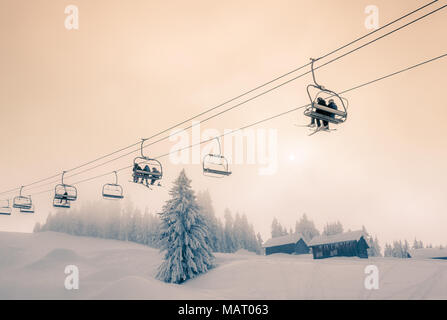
x=183 y=235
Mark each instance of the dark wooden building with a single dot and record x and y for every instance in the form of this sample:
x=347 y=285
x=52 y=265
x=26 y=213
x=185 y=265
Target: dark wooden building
x=291 y=244
x=348 y=244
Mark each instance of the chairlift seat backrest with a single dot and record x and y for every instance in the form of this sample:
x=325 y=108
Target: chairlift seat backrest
x=113 y=196
x=329 y=110
x=323 y=117
x=214 y=171
x=148 y=173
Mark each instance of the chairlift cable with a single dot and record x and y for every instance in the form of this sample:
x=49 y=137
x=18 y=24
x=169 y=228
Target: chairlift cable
x=264 y=120
x=246 y=93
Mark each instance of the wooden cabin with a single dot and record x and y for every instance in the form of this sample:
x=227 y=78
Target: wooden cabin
x=291 y=244
x=348 y=244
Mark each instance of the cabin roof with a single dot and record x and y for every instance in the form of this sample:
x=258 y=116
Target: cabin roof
x=279 y=241
x=342 y=237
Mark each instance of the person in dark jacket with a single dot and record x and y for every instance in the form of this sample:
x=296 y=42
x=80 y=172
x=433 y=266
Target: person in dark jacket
x=154 y=170
x=321 y=102
x=331 y=105
x=64 y=198
x=136 y=168
x=147 y=171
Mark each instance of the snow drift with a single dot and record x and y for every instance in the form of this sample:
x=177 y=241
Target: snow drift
x=32 y=267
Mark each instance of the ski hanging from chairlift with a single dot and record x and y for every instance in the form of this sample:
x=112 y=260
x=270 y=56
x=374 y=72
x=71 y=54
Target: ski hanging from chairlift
x=147 y=169
x=215 y=165
x=113 y=190
x=323 y=112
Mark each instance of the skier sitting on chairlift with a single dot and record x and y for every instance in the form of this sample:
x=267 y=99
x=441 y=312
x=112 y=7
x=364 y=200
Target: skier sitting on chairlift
x=146 y=175
x=154 y=170
x=64 y=198
x=321 y=102
x=136 y=168
x=332 y=105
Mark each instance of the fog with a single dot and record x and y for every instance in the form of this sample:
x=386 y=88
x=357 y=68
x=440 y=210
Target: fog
x=135 y=68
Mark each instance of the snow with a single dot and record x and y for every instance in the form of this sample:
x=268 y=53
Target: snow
x=278 y=241
x=341 y=237
x=244 y=252
x=429 y=253
x=32 y=267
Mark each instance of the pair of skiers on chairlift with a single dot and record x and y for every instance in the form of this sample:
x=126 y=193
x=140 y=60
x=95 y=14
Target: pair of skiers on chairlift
x=331 y=104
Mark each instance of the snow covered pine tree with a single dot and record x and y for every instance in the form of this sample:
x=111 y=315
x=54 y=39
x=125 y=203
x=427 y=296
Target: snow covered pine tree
x=183 y=235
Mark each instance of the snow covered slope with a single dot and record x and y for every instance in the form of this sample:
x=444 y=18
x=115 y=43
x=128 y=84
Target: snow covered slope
x=32 y=267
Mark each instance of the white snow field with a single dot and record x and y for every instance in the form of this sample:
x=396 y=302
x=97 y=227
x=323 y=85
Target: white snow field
x=32 y=267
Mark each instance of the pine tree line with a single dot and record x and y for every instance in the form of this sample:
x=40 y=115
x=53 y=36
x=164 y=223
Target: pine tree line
x=107 y=221
x=233 y=233
x=110 y=221
x=401 y=249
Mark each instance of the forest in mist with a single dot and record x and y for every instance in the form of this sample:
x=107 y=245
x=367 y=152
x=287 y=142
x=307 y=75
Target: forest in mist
x=125 y=222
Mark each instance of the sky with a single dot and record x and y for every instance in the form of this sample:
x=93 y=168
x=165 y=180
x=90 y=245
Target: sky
x=134 y=68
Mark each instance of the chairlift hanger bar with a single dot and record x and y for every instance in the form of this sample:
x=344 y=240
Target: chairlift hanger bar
x=323 y=89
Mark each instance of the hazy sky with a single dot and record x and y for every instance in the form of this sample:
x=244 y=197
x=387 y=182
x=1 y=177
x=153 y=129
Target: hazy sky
x=135 y=67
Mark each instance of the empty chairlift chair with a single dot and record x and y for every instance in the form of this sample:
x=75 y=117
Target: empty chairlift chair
x=319 y=110
x=112 y=190
x=215 y=165
x=5 y=208
x=22 y=202
x=27 y=210
x=147 y=170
